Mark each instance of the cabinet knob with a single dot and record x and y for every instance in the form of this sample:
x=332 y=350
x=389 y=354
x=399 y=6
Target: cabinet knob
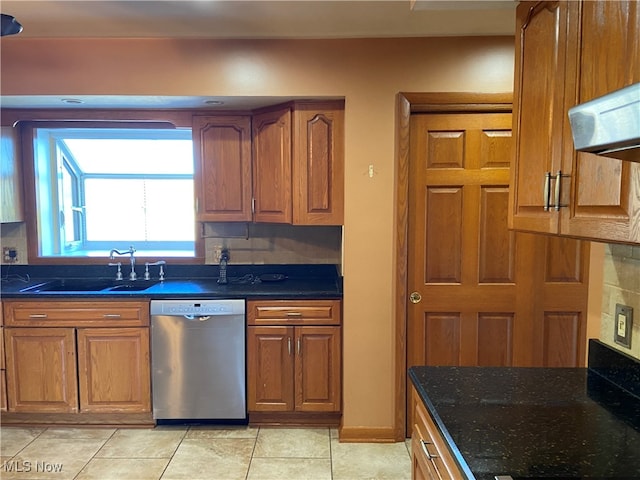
x=415 y=297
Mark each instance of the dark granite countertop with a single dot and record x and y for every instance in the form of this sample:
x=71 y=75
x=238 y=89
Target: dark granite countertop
x=185 y=281
x=534 y=422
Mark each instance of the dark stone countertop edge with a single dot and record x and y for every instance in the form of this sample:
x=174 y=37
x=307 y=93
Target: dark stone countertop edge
x=457 y=456
x=184 y=281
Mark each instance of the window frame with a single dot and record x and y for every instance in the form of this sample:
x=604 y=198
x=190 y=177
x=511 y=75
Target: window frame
x=30 y=120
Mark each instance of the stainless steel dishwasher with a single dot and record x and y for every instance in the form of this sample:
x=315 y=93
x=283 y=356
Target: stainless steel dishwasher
x=198 y=359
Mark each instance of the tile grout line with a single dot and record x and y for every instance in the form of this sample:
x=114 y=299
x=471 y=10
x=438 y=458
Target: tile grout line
x=95 y=453
x=164 y=470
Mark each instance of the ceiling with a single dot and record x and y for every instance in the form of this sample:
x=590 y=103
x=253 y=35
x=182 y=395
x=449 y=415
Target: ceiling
x=261 y=18
x=246 y=19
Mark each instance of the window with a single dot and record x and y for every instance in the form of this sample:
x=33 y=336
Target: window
x=102 y=188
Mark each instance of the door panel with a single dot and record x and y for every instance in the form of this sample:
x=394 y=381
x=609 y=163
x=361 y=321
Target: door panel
x=561 y=334
x=443 y=252
x=495 y=331
x=497 y=243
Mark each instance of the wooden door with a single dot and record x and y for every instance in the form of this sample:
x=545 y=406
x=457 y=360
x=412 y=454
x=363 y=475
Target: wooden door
x=489 y=296
x=272 y=166
x=41 y=370
x=113 y=370
x=318 y=163
x=462 y=257
x=270 y=369
x=222 y=147
x=317 y=369
x=541 y=38
x=603 y=203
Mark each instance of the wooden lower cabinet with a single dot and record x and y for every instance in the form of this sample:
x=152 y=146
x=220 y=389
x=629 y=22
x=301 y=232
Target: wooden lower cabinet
x=95 y=366
x=41 y=370
x=113 y=369
x=430 y=456
x=294 y=368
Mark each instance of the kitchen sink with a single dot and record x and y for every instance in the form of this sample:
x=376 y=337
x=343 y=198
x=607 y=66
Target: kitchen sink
x=88 y=285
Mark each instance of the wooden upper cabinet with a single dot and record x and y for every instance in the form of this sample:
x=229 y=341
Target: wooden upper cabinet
x=283 y=164
x=318 y=163
x=11 y=208
x=272 y=166
x=222 y=149
x=538 y=113
x=569 y=52
x=604 y=55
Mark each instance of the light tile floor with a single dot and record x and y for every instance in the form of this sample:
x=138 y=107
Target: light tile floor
x=195 y=453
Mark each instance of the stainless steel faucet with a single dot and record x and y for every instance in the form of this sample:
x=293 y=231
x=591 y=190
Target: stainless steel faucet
x=131 y=251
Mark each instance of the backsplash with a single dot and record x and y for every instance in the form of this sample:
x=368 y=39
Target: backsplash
x=621 y=284
x=14 y=235
x=249 y=244
x=256 y=243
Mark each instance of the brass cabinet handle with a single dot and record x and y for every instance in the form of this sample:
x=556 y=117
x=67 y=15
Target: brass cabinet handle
x=558 y=189
x=38 y=315
x=112 y=315
x=547 y=191
x=423 y=444
x=415 y=297
x=294 y=314
x=289 y=345
x=298 y=346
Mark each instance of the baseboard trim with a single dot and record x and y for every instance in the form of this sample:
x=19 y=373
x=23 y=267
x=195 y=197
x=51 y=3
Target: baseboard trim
x=367 y=434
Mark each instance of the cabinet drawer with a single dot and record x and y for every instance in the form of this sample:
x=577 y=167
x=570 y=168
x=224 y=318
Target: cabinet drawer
x=429 y=450
x=293 y=312
x=76 y=313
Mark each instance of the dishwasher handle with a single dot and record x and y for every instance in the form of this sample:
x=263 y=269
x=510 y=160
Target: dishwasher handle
x=200 y=318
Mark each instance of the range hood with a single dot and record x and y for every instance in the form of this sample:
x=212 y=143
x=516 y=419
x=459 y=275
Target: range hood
x=609 y=125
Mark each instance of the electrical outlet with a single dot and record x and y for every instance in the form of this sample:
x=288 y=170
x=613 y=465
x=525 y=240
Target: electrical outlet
x=623 y=325
x=10 y=254
x=217 y=253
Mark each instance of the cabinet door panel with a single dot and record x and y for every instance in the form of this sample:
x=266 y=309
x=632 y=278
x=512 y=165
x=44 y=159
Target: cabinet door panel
x=541 y=36
x=272 y=166
x=114 y=374
x=222 y=146
x=318 y=164
x=41 y=370
x=270 y=368
x=317 y=369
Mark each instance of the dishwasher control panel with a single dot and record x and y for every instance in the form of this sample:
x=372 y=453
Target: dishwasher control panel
x=197 y=307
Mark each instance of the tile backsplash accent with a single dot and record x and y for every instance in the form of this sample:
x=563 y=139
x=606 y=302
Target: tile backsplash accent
x=256 y=243
x=621 y=284
x=249 y=244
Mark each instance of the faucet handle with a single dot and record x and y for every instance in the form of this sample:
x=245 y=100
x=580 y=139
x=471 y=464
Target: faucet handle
x=119 y=272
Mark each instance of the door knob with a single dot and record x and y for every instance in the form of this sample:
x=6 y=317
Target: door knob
x=415 y=297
